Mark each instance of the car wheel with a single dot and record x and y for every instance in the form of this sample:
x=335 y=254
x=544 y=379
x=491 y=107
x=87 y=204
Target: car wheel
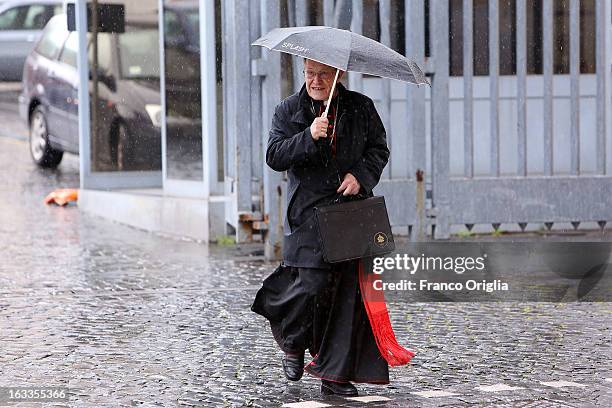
x=42 y=153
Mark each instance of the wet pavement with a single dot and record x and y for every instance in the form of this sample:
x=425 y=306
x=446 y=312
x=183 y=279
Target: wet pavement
x=11 y=125
x=127 y=318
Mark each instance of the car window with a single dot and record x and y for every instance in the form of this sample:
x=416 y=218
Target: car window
x=12 y=19
x=139 y=53
x=53 y=37
x=36 y=17
x=69 y=53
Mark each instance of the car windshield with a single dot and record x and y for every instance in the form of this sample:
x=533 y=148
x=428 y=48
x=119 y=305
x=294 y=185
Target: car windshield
x=139 y=54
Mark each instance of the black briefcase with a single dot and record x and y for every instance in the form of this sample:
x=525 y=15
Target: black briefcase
x=354 y=229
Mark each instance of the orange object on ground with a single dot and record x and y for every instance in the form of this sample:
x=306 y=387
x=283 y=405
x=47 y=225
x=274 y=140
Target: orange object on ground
x=63 y=196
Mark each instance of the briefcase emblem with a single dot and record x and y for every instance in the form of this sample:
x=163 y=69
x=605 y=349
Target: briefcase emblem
x=380 y=239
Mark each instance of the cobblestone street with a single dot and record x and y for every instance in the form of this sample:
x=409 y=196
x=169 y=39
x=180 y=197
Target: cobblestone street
x=127 y=318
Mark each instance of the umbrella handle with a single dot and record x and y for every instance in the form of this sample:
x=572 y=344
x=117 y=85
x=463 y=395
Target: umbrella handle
x=331 y=93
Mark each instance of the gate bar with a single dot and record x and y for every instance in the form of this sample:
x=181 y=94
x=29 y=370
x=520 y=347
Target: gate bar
x=603 y=72
x=384 y=9
x=328 y=13
x=355 y=78
x=209 y=97
x=256 y=124
x=494 y=84
x=547 y=50
x=440 y=119
x=295 y=64
x=242 y=94
x=521 y=79
x=229 y=55
x=274 y=187
x=574 y=50
x=468 y=88
x=415 y=98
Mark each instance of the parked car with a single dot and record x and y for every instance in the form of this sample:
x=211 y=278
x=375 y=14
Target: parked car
x=128 y=129
x=21 y=24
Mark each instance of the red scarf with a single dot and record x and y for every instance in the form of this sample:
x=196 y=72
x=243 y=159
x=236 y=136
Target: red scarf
x=376 y=308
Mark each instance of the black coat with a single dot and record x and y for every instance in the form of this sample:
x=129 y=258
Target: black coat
x=361 y=148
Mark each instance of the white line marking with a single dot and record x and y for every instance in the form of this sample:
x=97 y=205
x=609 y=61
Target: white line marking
x=306 y=404
x=561 y=384
x=369 y=398
x=608 y=379
x=498 y=388
x=434 y=394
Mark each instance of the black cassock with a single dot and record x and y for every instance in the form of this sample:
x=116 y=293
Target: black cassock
x=313 y=305
x=321 y=310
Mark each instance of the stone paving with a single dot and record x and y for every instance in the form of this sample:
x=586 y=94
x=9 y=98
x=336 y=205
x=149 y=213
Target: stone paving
x=127 y=318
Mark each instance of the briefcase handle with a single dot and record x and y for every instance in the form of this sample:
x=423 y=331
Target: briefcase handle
x=339 y=198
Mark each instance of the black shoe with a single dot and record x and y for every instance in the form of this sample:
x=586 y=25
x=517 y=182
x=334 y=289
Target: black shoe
x=339 y=388
x=293 y=366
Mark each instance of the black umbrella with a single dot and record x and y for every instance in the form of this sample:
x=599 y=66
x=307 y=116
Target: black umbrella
x=343 y=50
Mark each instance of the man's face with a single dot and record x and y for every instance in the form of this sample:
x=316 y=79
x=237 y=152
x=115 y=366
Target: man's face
x=319 y=79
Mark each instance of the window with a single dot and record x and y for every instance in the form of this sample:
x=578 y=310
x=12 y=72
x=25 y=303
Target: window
x=71 y=47
x=192 y=19
x=53 y=38
x=184 y=160
x=561 y=37
x=587 y=36
x=12 y=19
x=371 y=23
x=139 y=54
x=173 y=31
x=507 y=37
x=32 y=17
x=371 y=19
x=36 y=17
x=398 y=24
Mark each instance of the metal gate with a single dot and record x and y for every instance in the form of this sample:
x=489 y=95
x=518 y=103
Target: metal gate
x=551 y=193
x=424 y=191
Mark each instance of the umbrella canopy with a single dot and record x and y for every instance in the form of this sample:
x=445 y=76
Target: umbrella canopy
x=343 y=50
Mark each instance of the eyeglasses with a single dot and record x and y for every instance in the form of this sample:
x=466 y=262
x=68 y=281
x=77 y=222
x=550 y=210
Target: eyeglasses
x=323 y=75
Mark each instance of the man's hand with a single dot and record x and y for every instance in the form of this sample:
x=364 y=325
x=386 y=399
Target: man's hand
x=349 y=185
x=319 y=127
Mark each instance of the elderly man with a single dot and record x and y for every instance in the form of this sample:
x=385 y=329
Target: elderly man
x=313 y=305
